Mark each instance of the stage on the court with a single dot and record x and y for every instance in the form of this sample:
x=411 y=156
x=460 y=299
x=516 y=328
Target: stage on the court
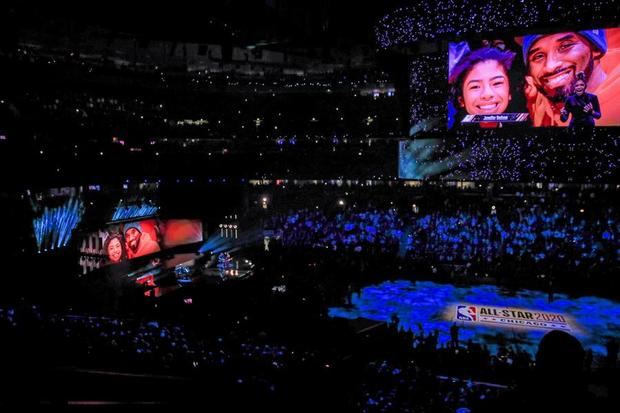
x=162 y=276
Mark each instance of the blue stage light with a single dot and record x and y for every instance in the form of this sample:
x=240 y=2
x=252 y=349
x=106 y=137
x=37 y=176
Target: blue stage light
x=54 y=227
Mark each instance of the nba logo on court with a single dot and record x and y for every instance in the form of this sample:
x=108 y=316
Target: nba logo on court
x=466 y=312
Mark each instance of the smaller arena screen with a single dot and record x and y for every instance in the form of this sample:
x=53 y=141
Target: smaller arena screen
x=122 y=242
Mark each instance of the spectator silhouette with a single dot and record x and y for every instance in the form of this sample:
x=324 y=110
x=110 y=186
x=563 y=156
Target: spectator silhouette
x=612 y=353
x=558 y=383
x=454 y=335
x=394 y=320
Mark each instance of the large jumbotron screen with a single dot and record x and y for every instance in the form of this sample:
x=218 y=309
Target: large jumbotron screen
x=121 y=242
x=532 y=80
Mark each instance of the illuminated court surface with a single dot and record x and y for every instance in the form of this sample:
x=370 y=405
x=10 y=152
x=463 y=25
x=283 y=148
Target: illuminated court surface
x=487 y=314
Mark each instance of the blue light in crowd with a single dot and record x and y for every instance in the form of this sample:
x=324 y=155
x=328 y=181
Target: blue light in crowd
x=462 y=236
x=412 y=22
x=133 y=211
x=54 y=227
x=422 y=305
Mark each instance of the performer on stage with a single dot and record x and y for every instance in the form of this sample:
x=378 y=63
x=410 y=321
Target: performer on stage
x=584 y=107
x=224 y=260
